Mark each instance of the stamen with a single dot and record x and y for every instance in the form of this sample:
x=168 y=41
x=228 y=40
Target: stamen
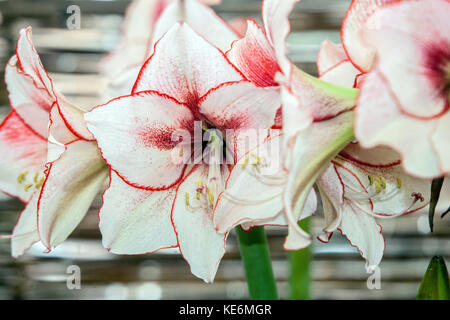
x=399 y=183
x=27 y=187
x=186 y=199
x=39 y=183
x=22 y=176
x=244 y=165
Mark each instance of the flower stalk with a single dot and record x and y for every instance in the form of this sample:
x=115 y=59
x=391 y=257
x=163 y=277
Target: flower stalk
x=300 y=269
x=257 y=264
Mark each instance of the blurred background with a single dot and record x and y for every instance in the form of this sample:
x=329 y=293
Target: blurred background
x=71 y=57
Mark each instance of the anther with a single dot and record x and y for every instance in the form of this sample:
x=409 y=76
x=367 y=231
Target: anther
x=39 y=183
x=27 y=187
x=399 y=183
x=186 y=198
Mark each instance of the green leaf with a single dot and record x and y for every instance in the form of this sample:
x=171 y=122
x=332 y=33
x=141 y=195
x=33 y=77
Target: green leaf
x=435 y=284
x=436 y=187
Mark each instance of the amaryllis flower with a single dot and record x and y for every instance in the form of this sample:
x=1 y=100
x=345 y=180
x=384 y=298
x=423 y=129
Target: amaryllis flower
x=47 y=161
x=363 y=184
x=308 y=103
x=153 y=201
x=145 y=22
x=404 y=101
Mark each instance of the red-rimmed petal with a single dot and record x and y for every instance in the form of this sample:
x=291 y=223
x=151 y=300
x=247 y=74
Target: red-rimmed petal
x=135 y=221
x=58 y=129
x=185 y=66
x=249 y=197
x=240 y=105
x=322 y=100
x=29 y=61
x=31 y=100
x=378 y=157
x=255 y=57
x=363 y=232
x=390 y=127
x=139 y=136
x=334 y=65
x=347 y=216
x=23 y=151
x=329 y=55
x=415 y=70
x=73 y=117
x=332 y=217
x=71 y=184
x=200 y=18
x=275 y=14
x=200 y=244
x=360 y=53
x=25 y=232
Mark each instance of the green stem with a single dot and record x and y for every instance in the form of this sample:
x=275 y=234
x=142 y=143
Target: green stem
x=257 y=264
x=300 y=265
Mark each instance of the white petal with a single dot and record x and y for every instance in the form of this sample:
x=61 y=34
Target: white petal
x=72 y=183
x=136 y=221
x=200 y=244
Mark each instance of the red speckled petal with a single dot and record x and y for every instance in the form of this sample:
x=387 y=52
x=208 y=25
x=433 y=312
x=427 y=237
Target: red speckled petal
x=185 y=66
x=241 y=105
x=134 y=134
x=31 y=101
x=255 y=57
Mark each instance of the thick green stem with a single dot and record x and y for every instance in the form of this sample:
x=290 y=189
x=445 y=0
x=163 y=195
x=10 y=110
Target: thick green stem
x=257 y=264
x=300 y=267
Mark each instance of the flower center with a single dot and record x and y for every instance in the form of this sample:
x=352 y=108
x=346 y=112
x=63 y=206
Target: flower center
x=207 y=191
x=437 y=64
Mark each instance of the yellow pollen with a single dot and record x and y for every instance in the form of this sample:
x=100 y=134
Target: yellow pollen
x=377 y=185
x=383 y=182
x=186 y=198
x=210 y=197
x=27 y=187
x=197 y=195
x=370 y=180
x=36 y=176
x=39 y=183
x=200 y=183
x=244 y=165
x=399 y=183
x=22 y=176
